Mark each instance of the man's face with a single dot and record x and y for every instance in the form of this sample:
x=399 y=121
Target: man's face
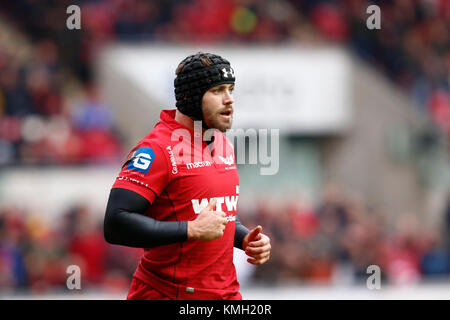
x=217 y=107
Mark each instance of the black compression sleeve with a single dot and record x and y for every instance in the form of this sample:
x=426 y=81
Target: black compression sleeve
x=240 y=233
x=125 y=222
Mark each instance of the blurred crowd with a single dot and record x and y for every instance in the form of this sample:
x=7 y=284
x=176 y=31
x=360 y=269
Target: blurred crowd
x=411 y=48
x=35 y=253
x=52 y=112
x=47 y=117
x=335 y=241
x=331 y=243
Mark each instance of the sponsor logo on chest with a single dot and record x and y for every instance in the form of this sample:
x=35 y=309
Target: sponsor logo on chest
x=228 y=160
x=198 y=164
x=226 y=204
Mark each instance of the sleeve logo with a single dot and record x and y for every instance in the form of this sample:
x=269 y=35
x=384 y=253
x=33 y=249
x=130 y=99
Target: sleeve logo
x=142 y=159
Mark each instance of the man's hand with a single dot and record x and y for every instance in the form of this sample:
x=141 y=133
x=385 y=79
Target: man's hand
x=257 y=246
x=208 y=225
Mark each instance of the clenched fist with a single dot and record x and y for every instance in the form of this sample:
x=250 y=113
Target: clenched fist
x=257 y=246
x=208 y=225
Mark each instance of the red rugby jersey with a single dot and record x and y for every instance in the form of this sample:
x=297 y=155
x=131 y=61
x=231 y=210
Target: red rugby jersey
x=177 y=172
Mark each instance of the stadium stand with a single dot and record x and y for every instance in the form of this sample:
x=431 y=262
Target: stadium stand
x=52 y=113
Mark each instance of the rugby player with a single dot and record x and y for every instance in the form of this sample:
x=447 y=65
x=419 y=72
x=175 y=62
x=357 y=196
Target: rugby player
x=179 y=207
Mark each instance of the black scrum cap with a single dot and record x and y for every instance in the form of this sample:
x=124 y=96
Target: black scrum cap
x=195 y=75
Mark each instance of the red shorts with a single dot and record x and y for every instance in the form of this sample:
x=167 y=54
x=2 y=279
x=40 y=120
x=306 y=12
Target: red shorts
x=139 y=290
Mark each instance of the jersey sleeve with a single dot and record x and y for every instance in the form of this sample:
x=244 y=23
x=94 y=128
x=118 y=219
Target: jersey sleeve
x=145 y=171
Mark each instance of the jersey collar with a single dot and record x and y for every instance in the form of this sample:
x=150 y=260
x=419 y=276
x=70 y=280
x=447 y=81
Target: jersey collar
x=167 y=117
